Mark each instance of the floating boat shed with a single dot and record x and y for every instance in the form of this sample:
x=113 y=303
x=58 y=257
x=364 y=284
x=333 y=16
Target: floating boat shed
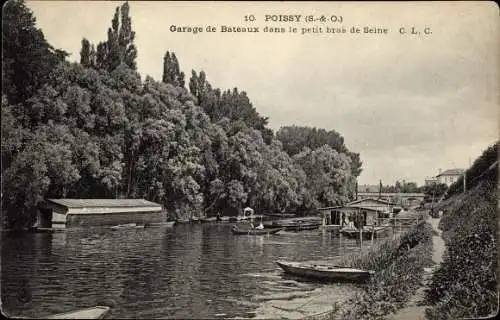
x=371 y=209
x=66 y=213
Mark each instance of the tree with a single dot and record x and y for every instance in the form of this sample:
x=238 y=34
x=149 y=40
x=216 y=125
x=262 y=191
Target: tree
x=329 y=175
x=171 y=70
x=27 y=58
x=87 y=54
x=119 y=47
x=296 y=138
x=434 y=191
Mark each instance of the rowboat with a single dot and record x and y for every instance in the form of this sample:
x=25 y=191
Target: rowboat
x=250 y=231
x=168 y=224
x=124 y=226
x=296 y=224
x=195 y=220
x=324 y=272
x=367 y=232
x=97 y=312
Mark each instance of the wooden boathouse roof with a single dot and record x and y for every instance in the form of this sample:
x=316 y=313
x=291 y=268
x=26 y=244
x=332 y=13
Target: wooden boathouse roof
x=103 y=203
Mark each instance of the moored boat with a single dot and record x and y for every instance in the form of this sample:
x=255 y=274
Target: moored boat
x=296 y=224
x=97 y=312
x=324 y=272
x=254 y=231
x=208 y=219
x=367 y=232
x=195 y=220
x=124 y=226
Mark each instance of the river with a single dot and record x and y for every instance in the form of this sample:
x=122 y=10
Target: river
x=188 y=271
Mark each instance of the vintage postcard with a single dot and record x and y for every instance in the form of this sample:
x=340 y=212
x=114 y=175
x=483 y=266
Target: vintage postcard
x=250 y=160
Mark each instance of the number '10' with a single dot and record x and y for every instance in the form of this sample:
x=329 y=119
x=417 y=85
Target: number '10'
x=250 y=18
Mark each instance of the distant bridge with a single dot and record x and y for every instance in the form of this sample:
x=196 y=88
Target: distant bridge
x=409 y=199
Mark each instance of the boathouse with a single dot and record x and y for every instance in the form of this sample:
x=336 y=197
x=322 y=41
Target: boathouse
x=371 y=210
x=66 y=213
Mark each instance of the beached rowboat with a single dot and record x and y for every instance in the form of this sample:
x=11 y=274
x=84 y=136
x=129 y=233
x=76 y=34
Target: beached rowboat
x=324 y=272
x=89 y=313
x=249 y=231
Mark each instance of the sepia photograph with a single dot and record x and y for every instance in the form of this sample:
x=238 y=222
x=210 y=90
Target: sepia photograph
x=249 y=160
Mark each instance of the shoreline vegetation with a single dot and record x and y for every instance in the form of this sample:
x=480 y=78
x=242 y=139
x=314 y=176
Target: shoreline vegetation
x=399 y=264
x=465 y=285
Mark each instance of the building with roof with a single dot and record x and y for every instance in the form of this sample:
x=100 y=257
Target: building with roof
x=449 y=176
x=370 y=209
x=430 y=181
x=66 y=213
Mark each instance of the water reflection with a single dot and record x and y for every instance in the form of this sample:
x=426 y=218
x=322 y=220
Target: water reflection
x=183 y=272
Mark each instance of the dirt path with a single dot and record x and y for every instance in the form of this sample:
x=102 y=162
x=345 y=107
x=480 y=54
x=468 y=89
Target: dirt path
x=414 y=311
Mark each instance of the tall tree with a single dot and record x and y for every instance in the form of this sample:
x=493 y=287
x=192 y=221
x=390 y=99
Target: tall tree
x=27 y=58
x=119 y=47
x=171 y=70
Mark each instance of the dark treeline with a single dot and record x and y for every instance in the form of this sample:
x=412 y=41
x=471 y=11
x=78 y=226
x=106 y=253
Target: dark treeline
x=485 y=167
x=95 y=129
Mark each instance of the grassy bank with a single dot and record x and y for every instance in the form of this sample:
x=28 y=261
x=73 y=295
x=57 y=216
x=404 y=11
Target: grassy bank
x=465 y=285
x=399 y=265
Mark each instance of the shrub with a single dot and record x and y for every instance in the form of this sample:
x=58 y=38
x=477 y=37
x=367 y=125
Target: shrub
x=465 y=284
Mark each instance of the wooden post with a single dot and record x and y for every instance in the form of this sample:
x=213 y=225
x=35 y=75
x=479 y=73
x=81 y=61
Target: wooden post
x=373 y=231
x=361 y=238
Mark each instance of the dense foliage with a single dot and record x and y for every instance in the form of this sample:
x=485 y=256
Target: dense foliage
x=465 y=285
x=484 y=168
x=95 y=129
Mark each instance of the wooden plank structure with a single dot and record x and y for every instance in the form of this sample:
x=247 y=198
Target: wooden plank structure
x=66 y=213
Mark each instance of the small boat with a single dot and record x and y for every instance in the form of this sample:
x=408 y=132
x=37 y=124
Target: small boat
x=324 y=272
x=296 y=224
x=366 y=232
x=124 y=226
x=209 y=219
x=195 y=220
x=250 y=231
x=97 y=312
x=182 y=221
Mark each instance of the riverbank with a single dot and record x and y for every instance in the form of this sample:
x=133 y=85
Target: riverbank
x=416 y=306
x=399 y=264
x=399 y=272
x=465 y=285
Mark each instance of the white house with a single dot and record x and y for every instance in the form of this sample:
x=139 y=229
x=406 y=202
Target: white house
x=449 y=176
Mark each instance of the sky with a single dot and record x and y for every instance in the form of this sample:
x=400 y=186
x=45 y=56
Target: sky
x=409 y=104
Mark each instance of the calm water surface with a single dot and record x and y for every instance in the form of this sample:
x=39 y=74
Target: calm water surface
x=189 y=271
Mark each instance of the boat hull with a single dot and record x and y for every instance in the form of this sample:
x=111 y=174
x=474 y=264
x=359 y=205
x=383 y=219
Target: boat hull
x=367 y=233
x=89 y=313
x=264 y=231
x=324 y=272
x=295 y=224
